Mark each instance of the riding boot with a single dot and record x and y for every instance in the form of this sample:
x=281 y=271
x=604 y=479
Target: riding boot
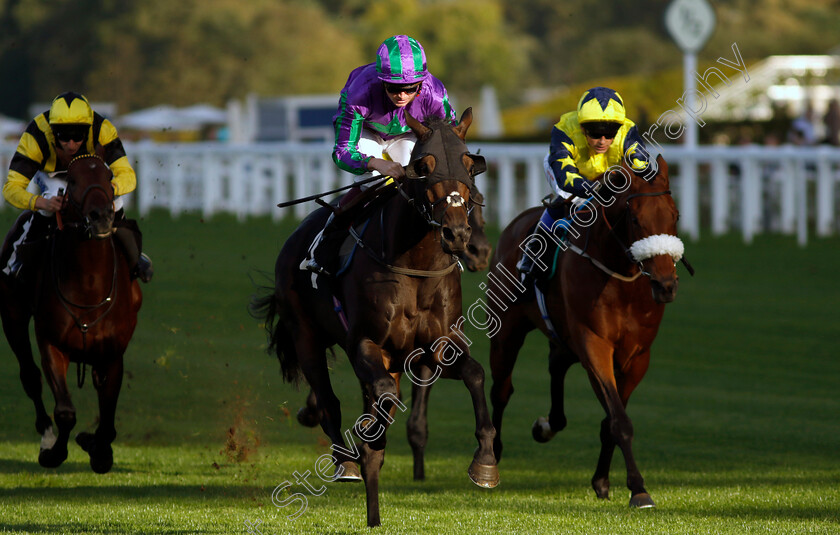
x=22 y=260
x=537 y=259
x=129 y=237
x=323 y=251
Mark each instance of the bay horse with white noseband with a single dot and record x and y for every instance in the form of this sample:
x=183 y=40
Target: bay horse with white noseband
x=85 y=309
x=602 y=308
x=400 y=303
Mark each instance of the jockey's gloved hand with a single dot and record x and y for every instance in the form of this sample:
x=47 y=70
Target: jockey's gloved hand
x=386 y=168
x=579 y=201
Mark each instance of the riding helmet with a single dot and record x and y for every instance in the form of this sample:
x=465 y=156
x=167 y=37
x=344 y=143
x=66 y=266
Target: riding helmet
x=602 y=105
x=70 y=108
x=401 y=60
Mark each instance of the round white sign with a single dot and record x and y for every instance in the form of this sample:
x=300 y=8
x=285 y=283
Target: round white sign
x=690 y=23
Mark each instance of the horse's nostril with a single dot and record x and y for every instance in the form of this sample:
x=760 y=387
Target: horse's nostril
x=448 y=235
x=472 y=249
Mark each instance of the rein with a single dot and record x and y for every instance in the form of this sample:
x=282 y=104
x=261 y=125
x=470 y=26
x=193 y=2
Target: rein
x=67 y=303
x=625 y=211
x=627 y=252
x=427 y=213
x=70 y=307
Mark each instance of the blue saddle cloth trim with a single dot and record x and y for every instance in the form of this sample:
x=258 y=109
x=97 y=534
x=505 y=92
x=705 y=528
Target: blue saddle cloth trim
x=346 y=260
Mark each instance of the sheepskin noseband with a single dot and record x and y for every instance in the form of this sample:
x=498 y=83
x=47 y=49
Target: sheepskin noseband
x=657 y=245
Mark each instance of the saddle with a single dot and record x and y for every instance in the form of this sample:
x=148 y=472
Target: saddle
x=349 y=246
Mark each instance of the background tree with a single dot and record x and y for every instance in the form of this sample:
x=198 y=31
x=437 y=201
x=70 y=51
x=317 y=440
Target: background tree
x=138 y=54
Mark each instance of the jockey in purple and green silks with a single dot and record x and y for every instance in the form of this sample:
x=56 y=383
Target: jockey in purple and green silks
x=371 y=118
x=371 y=135
x=585 y=144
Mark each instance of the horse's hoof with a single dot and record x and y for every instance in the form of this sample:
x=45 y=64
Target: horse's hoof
x=642 y=500
x=86 y=441
x=52 y=458
x=101 y=462
x=101 y=458
x=306 y=418
x=541 y=430
x=484 y=475
x=602 y=488
x=349 y=472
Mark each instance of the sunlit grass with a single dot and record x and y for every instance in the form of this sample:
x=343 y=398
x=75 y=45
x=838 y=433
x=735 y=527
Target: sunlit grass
x=736 y=427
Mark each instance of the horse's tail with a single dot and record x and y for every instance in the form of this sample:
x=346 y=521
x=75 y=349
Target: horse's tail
x=264 y=306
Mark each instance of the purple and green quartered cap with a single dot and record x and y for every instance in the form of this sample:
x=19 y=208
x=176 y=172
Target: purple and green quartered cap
x=401 y=60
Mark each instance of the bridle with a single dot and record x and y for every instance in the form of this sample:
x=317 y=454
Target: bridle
x=426 y=209
x=74 y=309
x=83 y=221
x=625 y=215
x=638 y=251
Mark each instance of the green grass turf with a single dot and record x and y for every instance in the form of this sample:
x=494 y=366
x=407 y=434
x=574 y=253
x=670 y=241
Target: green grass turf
x=736 y=423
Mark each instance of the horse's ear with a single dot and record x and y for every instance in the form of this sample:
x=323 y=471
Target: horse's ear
x=464 y=124
x=661 y=164
x=420 y=130
x=662 y=169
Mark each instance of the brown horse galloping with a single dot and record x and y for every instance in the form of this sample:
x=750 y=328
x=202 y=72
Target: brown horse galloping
x=475 y=257
x=85 y=311
x=604 y=306
x=401 y=299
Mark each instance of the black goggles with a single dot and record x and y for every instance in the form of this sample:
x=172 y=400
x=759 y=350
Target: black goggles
x=70 y=134
x=608 y=131
x=401 y=88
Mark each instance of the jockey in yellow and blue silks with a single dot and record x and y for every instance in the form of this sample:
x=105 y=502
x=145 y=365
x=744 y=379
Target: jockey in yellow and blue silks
x=70 y=128
x=586 y=143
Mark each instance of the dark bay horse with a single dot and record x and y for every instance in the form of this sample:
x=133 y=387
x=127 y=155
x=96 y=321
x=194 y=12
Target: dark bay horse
x=604 y=306
x=85 y=310
x=401 y=301
x=476 y=257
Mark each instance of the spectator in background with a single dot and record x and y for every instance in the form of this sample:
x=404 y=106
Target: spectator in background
x=831 y=119
x=802 y=131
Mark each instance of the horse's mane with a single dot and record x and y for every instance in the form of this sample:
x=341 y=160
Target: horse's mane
x=433 y=122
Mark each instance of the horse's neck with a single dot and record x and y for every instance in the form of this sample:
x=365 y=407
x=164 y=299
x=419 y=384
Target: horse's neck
x=607 y=237
x=409 y=241
x=73 y=256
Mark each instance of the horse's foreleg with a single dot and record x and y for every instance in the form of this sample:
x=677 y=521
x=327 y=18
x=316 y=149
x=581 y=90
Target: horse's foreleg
x=616 y=429
x=108 y=383
x=601 y=478
x=630 y=376
x=16 y=328
x=372 y=461
x=309 y=415
x=559 y=362
x=381 y=399
x=55 y=366
x=313 y=363
x=417 y=426
x=504 y=349
x=483 y=470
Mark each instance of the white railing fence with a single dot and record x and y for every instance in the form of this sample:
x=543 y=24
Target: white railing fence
x=752 y=189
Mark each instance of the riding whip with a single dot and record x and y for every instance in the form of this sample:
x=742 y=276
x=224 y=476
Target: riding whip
x=324 y=194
